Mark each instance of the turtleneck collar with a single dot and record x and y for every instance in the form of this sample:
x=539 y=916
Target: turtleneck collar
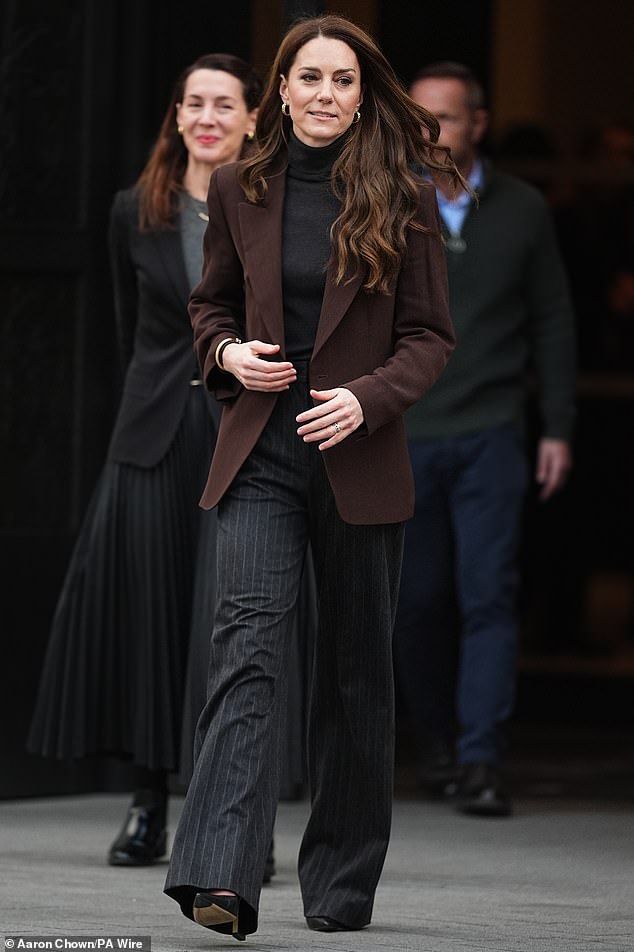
x=313 y=164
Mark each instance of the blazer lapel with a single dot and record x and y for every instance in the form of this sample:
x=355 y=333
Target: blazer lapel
x=261 y=235
x=170 y=253
x=337 y=300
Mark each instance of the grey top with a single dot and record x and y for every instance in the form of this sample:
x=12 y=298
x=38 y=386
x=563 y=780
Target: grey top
x=193 y=221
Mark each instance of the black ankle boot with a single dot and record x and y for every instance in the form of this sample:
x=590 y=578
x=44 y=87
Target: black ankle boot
x=143 y=837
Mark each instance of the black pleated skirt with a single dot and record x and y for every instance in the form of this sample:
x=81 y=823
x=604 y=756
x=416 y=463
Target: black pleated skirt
x=125 y=670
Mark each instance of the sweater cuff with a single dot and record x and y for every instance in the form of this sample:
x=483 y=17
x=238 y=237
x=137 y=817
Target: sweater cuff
x=560 y=427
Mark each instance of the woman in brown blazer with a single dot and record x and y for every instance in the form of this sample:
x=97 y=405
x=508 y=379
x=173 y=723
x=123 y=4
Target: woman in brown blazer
x=321 y=316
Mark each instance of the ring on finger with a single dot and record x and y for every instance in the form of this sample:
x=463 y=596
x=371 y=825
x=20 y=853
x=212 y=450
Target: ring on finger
x=336 y=428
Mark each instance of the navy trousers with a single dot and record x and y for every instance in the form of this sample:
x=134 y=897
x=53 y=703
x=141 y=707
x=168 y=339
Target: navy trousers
x=456 y=632
x=279 y=501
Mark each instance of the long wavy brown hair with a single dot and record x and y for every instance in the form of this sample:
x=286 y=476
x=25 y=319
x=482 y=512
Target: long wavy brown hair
x=161 y=181
x=377 y=174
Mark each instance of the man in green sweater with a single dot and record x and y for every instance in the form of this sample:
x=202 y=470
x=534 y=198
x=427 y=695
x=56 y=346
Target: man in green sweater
x=513 y=320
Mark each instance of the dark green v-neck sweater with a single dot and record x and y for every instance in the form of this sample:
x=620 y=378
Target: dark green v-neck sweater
x=513 y=319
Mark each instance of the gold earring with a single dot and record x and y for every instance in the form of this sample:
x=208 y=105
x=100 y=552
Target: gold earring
x=251 y=136
x=180 y=130
x=357 y=118
x=286 y=110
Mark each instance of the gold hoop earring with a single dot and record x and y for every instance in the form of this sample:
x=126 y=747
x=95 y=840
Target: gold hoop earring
x=286 y=109
x=357 y=118
x=180 y=130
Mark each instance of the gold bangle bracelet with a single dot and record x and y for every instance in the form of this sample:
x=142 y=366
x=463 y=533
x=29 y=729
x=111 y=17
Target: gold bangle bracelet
x=220 y=348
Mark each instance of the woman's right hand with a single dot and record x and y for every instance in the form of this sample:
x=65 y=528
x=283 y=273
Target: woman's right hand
x=245 y=363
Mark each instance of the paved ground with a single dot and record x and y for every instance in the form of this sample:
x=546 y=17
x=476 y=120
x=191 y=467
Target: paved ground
x=557 y=877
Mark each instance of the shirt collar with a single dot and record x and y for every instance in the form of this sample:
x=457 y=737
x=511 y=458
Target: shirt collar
x=474 y=179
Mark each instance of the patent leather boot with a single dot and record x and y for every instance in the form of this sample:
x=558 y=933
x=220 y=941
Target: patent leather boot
x=143 y=837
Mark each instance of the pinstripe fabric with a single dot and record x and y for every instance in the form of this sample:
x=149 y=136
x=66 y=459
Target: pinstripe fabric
x=280 y=498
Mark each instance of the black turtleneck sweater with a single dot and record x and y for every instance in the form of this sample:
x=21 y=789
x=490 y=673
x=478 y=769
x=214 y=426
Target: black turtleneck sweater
x=310 y=207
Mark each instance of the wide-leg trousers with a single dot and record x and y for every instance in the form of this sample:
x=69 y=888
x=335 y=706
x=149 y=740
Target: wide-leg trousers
x=280 y=500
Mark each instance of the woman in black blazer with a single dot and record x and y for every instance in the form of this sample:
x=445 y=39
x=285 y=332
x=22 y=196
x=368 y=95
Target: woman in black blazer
x=134 y=615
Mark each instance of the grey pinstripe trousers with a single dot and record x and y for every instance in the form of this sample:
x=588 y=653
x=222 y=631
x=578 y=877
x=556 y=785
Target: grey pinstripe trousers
x=279 y=500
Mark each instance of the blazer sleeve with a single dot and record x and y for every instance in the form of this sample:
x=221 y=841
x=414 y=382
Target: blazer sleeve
x=124 y=280
x=216 y=305
x=423 y=332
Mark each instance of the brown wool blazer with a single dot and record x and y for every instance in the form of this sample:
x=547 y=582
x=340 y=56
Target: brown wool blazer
x=388 y=349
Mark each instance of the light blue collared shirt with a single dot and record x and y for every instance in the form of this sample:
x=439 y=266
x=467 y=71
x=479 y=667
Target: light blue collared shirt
x=454 y=212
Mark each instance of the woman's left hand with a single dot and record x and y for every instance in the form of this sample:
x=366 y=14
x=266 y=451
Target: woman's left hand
x=336 y=416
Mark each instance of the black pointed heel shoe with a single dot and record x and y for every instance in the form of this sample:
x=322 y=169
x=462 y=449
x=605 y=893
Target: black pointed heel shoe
x=220 y=913
x=143 y=837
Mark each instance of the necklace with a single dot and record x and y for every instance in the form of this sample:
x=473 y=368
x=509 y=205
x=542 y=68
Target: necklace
x=197 y=205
